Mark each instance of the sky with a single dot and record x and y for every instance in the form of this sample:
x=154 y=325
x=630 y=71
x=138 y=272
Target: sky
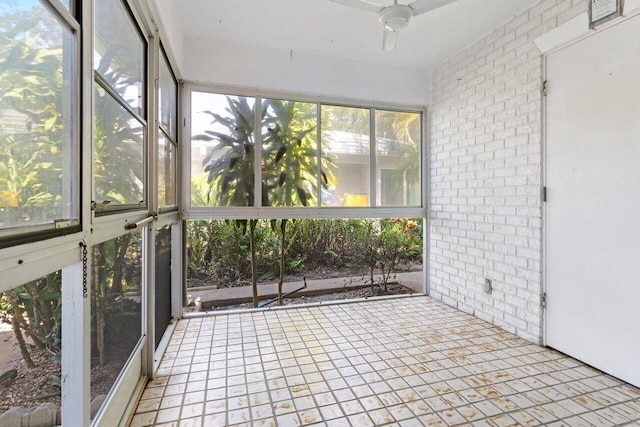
x=8 y=6
x=17 y=5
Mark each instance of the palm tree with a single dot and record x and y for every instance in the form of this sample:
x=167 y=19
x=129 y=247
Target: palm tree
x=291 y=162
x=229 y=165
x=289 y=165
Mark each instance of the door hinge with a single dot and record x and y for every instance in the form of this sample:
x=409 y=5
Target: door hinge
x=543 y=193
x=544 y=88
x=543 y=300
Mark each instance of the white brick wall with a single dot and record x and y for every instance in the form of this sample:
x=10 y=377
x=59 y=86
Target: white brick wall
x=486 y=172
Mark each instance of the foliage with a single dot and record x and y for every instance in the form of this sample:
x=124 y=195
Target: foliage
x=406 y=127
x=219 y=252
x=289 y=162
x=208 y=250
x=31 y=129
x=290 y=154
x=118 y=152
x=323 y=242
x=396 y=246
x=356 y=120
x=229 y=165
x=116 y=293
x=364 y=244
x=35 y=310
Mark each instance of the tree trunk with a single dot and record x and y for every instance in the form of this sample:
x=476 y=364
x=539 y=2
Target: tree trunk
x=42 y=309
x=102 y=353
x=385 y=280
x=17 y=314
x=98 y=298
x=283 y=230
x=252 y=244
x=120 y=251
x=371 y=278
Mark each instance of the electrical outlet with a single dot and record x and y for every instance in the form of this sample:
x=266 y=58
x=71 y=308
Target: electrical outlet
x=487 y=286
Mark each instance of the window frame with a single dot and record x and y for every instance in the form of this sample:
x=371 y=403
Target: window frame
x=270 y=212
x=99 y=208
x=16 y=236
x=173 y=140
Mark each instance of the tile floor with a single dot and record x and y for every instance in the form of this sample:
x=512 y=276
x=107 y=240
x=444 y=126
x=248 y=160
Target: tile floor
x=406 y=361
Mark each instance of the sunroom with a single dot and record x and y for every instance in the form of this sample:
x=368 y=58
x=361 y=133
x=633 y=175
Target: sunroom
x=154 y=154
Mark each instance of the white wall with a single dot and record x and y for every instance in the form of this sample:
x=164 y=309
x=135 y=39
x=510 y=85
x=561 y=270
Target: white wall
x=246 y=66
x=486 y=173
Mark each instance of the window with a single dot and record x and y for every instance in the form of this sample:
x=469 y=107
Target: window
x=167 y=136
x=398 y=158
x=310 y=154
x=290 y=154
x=222 y=150
x=116 y=308
x=346 y=134
x=33 y=343
x=118 y=152
x=119 y=53
x=162 y=276
x=39 y=162
x=119 y=122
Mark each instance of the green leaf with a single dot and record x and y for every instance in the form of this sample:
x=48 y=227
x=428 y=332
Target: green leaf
x=281 y=153
x=283 y=177
x=302 y=195
x=324 y=178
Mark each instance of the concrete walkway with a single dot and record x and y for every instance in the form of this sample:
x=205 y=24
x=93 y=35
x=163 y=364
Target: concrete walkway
x=9 y=353
x=210 y=297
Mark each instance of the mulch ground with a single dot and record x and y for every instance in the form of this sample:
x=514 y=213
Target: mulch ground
x=32 y=386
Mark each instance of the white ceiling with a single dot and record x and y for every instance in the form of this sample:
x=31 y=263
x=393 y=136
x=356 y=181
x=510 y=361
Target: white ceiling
x=325 y=28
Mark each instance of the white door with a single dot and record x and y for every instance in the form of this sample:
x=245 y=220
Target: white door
x=592 y=212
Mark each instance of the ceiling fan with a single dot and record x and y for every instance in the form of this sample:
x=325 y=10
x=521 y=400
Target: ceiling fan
x=394 y=17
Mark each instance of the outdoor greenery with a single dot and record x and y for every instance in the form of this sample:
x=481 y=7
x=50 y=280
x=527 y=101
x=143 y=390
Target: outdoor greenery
x=31 y=120
x=39 y=183
x=115 y=299
x=289 y=164
x=248 y=250
x=34 y=310
x=218 y=252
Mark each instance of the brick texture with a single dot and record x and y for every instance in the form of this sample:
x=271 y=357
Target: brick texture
x=486 y=172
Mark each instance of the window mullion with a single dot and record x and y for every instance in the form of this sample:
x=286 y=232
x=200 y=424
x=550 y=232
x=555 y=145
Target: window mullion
x=319 y=152
x=257 y=155
x=153 y=132
x=372 y=156
x=119 y=99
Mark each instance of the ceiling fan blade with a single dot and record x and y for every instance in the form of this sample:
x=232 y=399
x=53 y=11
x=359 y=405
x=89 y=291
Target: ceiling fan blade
x=390 y=39
x=422 y=6
x=361 y=4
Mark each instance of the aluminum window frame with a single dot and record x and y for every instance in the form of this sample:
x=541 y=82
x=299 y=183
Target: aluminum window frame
x=174 y=141
x=101 y=209
x=190 y=212
x=17 y=236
